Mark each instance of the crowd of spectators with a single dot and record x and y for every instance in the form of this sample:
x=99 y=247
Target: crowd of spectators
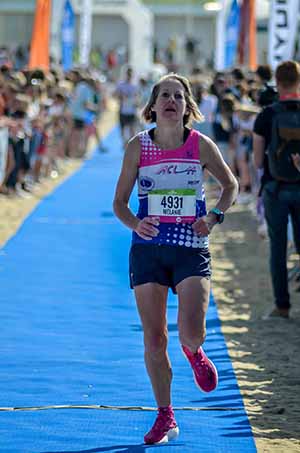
x=49 y=117
x=230 y=102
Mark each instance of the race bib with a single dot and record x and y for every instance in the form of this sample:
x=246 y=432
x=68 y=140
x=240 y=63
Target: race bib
x=173 y=206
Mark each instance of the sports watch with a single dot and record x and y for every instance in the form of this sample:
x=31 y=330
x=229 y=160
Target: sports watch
x=219 y=214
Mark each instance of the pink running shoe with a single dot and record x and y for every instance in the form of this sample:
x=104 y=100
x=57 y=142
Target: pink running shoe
x=164 y=429
x=205 y=372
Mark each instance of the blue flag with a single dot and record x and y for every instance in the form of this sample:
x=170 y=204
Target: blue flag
x=67 y=36
x=232 y=34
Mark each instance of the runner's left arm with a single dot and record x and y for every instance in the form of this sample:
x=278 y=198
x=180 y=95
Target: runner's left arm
x=211 y=159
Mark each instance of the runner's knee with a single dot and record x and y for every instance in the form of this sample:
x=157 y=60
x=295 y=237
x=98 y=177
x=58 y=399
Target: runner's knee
x=155 y=344
x=191 y=339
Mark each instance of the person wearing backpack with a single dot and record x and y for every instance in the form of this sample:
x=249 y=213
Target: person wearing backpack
x=276 y=148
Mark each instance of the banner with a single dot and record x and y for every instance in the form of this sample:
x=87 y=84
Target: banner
x=247 y=54
x=3 y=152
x=283 y=25
x=232 y=34
x=85 y=32
x=243 y=35
x=67 y=36
x=252 y=48
x=220 y=33
x=39 y=47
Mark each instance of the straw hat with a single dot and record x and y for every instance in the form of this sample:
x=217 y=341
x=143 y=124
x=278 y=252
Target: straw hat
x=247 y=108
x=24 y=98
x=66 y=86
x=19 y=77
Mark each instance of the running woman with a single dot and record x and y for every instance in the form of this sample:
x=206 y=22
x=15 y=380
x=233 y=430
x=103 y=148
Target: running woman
x=170 y=236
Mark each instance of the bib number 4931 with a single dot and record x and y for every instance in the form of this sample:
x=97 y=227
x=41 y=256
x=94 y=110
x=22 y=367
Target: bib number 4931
x=172 y=202
x=173 y=205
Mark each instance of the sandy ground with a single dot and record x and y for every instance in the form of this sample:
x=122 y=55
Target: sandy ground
x=265 y=354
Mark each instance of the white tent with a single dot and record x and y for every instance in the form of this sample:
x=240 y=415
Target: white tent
x=138 y=18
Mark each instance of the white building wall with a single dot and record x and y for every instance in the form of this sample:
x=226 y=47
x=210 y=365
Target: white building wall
x=109 y=31
x=16 y=20
x=202 y=30
x=15 y=28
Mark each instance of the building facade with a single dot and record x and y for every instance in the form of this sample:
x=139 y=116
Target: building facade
x=176 y=21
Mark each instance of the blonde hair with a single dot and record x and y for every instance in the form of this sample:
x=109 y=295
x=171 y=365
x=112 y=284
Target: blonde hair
x=193 y=112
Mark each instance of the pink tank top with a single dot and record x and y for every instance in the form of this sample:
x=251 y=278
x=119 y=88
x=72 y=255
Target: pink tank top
x=170 y=185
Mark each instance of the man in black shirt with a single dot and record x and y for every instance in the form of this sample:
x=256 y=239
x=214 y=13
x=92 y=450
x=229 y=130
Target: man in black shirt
x=281 y=197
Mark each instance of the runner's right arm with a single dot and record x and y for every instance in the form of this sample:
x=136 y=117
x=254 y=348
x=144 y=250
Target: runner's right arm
x=146 y=227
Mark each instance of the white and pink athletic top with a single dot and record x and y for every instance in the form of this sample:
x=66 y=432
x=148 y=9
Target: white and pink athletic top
x=170 y=185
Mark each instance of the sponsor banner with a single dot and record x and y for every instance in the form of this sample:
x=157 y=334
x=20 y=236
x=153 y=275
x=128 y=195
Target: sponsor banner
x=85 y=32
x=232 y=34
x=3 y=152
x=252 y=50
x=220 y=33
x=283 y=26
x=247 y=54
x=40 y=40
x=67 y=36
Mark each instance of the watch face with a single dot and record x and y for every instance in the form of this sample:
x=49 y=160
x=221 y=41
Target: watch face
x=220 y=217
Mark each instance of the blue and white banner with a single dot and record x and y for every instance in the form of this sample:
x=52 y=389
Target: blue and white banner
x=85 y=32
x=232 y=34
x=219 y=37
x=283 y=26
x=67 y=36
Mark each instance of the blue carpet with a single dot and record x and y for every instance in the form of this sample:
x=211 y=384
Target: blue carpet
x=70 y=335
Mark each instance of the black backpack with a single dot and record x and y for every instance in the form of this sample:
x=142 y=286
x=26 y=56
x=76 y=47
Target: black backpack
x=285 y=140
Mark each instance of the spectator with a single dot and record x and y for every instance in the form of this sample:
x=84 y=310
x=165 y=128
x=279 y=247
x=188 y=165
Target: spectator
x=10 y=163
x=18 y=145
x=281 y=177
x=82 y=101
x=244 y=121
x=127 y=94
x=267 y=93
x=207 y=104
x=224 y=128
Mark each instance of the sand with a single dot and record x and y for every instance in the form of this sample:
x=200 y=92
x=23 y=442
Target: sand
x=265 y=354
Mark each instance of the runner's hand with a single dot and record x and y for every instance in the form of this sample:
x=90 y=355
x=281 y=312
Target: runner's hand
x=203 y=226
x=146 y=228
